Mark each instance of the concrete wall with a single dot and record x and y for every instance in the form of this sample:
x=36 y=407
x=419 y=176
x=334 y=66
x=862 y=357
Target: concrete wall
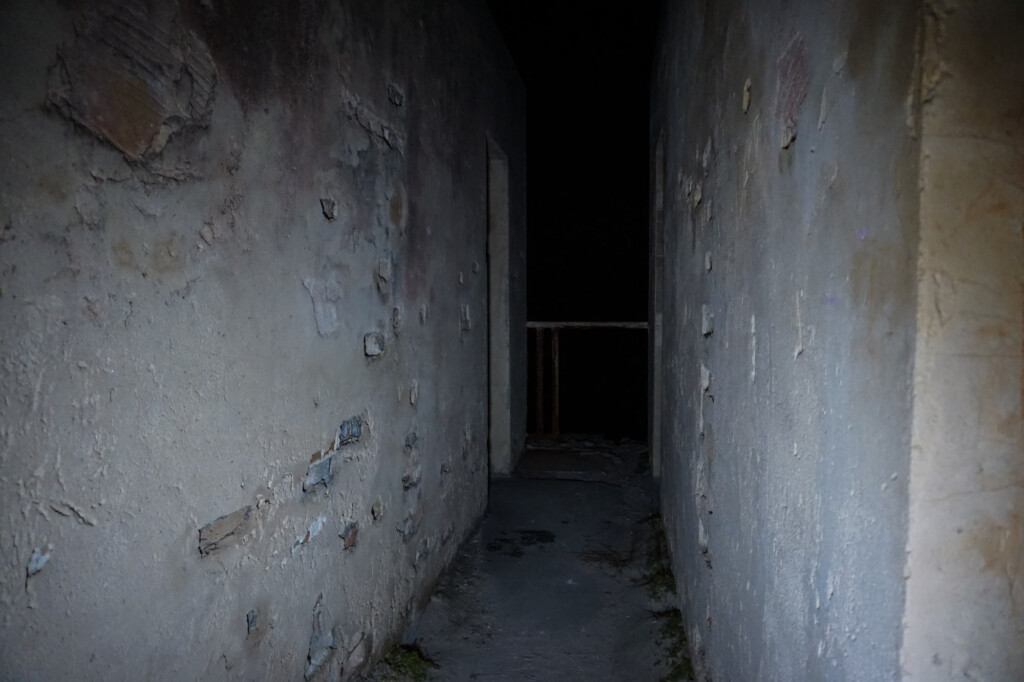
x=225 y=229
x=791 y=198
x=844 y=280
x=965 y=593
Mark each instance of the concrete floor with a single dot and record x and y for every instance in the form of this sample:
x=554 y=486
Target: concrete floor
x=556 y=584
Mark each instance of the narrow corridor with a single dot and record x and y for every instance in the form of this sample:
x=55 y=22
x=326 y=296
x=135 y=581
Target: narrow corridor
x=566 y=579
x=285 y=286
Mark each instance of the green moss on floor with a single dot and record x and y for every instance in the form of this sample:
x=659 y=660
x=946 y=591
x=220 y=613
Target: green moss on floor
x=660 y=580
x=408 y=663
x=673 y=644
x=661 y=583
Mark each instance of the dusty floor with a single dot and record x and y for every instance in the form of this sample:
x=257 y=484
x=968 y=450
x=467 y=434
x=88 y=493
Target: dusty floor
x=566 y=579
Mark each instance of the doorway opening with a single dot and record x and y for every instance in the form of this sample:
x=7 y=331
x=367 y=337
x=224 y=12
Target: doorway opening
x=587 y=336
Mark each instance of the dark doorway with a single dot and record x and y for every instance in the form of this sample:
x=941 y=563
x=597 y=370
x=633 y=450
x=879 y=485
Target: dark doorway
x=587 y=73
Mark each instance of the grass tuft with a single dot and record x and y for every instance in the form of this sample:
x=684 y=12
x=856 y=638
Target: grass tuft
x=660 y=580
x=409 y=662
x=661 y=583
x=673 y=643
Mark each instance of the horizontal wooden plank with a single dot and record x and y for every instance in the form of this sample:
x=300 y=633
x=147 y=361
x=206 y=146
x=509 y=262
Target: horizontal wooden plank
x=586 y=325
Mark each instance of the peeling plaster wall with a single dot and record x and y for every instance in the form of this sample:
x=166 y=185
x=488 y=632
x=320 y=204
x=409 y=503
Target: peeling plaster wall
x=790 y=208
x=225 y=229
x=965 y=593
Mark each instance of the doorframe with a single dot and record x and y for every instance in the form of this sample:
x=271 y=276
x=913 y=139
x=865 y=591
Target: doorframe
x=499 y=358
x=656 y=304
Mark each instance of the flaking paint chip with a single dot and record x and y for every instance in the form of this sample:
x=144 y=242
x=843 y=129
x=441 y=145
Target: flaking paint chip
x=788 y=135
x=314 y=529
x=226 y=530
x=206 y=233
x=409 y=526
x=319 y=470
x=251 y=622
x=396 y=319
x=373 y=344
x=322 y=643
x=134 y=78
x=348 y=535
x=36 y=562
x=395 y=95
x=329 y=207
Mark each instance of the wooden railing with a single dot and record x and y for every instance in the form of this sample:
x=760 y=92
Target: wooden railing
x=547 y=358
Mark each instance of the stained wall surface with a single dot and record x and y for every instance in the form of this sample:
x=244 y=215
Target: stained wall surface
x=225 y=230
x=965 y=562
x=790 y=207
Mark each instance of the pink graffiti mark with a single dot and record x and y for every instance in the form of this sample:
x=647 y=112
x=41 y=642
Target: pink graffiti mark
x=792 y=86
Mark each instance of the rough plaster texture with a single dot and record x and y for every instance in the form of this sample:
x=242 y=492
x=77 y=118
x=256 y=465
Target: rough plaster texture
x=199 y=282
x=790 y=208
x=965 y=592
